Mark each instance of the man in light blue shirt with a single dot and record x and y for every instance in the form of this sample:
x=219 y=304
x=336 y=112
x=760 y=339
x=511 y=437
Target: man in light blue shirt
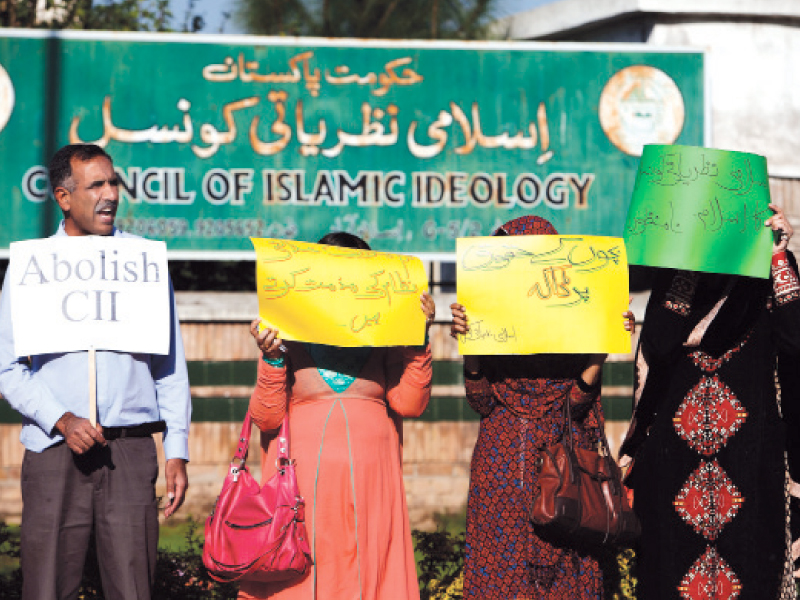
x=76 y=477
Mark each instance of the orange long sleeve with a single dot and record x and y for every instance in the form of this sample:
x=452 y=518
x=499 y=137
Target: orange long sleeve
x=269 y=398
x=409 y=374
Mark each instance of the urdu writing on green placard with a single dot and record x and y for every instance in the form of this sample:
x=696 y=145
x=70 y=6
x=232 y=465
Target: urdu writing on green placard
x=700 y=209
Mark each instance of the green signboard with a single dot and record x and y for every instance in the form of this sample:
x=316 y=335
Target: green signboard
x=408 y=144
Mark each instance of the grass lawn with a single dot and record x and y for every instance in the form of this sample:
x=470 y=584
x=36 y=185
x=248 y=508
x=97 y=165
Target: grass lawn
x=452 y=523
x=172 y=534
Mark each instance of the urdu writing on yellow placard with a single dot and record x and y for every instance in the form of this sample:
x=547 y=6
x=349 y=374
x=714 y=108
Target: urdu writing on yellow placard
x=543 y=294
x=339 y=296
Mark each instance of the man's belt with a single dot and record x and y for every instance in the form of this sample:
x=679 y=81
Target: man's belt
x=135 y=431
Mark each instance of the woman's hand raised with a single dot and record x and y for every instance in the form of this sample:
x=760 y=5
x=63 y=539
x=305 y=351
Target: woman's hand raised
x=780 y=225
x=459 y=325
x=267 y=340
x=429 y=308
x=630 y=321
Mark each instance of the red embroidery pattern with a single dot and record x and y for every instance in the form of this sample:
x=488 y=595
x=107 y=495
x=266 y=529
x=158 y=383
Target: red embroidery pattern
x=709 y=364
x=681 y=291
x=710 y=578
x=786 y=285
x=706 y=420
x=709 y=416
x=708 y=500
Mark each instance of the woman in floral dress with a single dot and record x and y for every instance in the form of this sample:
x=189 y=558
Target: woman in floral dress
x=520 y=400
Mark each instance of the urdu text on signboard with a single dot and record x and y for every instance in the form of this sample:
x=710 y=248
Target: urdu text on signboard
x=407 y=144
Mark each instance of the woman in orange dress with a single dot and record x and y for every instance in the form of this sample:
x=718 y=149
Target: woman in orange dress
x=346 y=407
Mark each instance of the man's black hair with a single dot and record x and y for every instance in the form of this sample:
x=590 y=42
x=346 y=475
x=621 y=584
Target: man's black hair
x=60 y=167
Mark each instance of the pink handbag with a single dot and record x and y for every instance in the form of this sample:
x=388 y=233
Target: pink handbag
x=258 y=533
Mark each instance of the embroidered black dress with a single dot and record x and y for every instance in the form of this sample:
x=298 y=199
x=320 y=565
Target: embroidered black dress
x=709 y=472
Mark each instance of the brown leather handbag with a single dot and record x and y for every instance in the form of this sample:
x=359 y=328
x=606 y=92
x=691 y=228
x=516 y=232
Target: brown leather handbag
x=581 y=498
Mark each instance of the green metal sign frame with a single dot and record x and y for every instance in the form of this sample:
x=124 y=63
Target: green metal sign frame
x=408 y=144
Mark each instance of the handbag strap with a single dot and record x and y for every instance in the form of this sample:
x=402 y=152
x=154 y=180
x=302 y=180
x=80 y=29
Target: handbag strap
x=567 y=410
x=283 y=438
x=615 y=477
x=244 y=439
x=568 y=424
x=603 y=438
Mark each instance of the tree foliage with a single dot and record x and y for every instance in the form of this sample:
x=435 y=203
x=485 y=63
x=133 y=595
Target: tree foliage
x=117 y=15
x=395 y=19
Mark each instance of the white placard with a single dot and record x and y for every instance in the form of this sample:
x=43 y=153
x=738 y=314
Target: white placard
x=70 y=293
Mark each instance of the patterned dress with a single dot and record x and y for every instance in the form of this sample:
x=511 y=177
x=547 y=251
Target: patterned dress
x=709 y=472
x=520 y=399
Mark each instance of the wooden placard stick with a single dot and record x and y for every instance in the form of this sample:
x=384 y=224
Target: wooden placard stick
x=92 y=386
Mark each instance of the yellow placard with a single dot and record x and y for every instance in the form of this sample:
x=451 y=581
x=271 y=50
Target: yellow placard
x=340 y=296
x=543 y=294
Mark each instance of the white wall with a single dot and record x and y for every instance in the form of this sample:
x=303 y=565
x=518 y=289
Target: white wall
x=753 y=83
x=753 y=51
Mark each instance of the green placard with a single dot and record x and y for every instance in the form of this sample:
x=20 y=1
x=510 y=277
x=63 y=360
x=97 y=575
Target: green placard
x=700 y=209
x=408 y=144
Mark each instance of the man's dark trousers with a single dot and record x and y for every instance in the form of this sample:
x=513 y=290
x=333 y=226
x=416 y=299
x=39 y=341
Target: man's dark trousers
x=109 y=490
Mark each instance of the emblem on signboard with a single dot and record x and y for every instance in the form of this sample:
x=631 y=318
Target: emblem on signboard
x=641 y=105
x=6 y=97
